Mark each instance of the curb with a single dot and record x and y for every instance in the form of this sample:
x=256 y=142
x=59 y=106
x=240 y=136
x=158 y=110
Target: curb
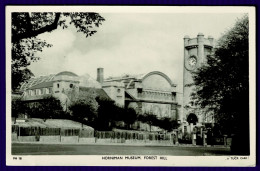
x=122 y=144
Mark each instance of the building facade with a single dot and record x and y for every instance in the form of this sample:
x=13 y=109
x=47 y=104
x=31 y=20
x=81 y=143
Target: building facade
x=195 y=53
x=151 y=93
x=65 y=86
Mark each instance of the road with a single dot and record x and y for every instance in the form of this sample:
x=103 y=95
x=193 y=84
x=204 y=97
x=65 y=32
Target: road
x=78 y=149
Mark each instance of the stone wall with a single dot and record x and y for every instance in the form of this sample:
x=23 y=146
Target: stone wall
x=50 y=138
x=69 y=139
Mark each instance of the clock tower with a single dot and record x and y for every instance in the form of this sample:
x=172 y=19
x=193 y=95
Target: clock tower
x=195 y=52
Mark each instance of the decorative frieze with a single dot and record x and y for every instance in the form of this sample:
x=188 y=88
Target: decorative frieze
x=156 y=95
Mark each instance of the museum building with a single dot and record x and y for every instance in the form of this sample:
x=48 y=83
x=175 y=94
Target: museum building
x=153 y=92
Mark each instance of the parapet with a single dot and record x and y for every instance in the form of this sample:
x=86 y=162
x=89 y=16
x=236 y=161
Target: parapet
x=193 y=42
x=113 y=84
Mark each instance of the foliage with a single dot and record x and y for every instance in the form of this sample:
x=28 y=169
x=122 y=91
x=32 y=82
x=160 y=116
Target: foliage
x=168 y=124
x=27 y=26
x=105 y=114
x=222 y=85
x=149 y=118
x=50 y=107
x=84 y=108
x=47 y=108
x=109 y=114
x=165 y=123
x=129 y=116
x=18 y=107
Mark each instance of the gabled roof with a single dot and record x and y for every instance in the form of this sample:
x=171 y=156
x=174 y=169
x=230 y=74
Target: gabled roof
x=42 y=85
x=36 y=97
x=100 y=92
x=35 y=81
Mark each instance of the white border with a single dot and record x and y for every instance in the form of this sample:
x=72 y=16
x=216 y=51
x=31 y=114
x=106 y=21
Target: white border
x=94 y=160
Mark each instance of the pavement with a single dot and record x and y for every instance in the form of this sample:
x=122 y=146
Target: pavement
x=114 y=149
x=124 y=144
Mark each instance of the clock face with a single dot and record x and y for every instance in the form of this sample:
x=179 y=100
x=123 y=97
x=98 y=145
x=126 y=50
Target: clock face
x=192 y=61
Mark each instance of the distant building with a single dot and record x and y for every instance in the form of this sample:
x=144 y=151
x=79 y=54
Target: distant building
x=152 y=93
x=64 y=86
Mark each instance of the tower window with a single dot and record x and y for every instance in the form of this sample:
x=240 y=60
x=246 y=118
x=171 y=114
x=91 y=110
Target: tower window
x=118 y=90
x=71 y=85
x=139 y=92
x=58 y=85
x=185 y=129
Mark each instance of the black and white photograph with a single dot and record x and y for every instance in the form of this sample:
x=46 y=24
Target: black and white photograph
x=130 y=85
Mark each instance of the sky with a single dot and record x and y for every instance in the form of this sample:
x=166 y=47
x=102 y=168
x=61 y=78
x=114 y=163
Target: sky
x=129 y=43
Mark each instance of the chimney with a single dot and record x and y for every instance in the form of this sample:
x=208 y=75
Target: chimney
x=100 y=75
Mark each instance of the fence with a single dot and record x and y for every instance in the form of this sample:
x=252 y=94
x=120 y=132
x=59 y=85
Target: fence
x=72 y=135
x=34 y=134
x=130 y=137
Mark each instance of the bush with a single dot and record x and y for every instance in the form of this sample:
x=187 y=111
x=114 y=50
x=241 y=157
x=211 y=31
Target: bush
x=84 y=108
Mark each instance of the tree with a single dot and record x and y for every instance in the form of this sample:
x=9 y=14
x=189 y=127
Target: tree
x=149 y=118
x=46 y=108
x=106 y=112
x=222 y=84
x=129 y=116
x=168 y=124
x=18 y=107
x=84 y=108
x=110 y=113
x=27 y=26
x=51 y=108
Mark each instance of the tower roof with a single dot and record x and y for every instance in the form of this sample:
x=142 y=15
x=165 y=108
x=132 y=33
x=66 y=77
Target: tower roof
x=68 y=73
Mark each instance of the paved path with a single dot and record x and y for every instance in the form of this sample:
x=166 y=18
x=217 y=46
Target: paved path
x=80 y=149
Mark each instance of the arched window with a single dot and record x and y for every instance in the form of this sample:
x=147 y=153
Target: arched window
x=192 y=118
x=71 y=85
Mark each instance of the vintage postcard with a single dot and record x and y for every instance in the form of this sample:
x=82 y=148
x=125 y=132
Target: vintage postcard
x=130 y=86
